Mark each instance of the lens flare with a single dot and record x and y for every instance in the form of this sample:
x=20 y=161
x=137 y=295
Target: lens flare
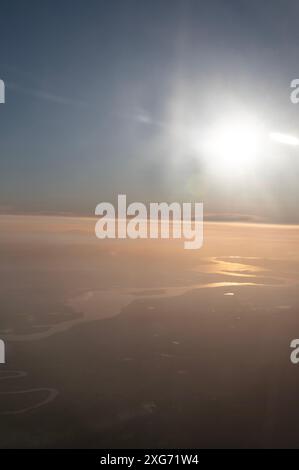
x=284 y=139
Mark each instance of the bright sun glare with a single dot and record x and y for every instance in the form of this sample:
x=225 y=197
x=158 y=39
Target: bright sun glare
x=233 y=146
x=284 y=139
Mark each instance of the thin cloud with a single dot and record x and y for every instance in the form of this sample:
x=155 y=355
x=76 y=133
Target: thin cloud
x=44 y=95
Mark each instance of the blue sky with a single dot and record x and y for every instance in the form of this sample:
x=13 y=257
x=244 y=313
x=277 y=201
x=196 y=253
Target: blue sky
x=98 y=91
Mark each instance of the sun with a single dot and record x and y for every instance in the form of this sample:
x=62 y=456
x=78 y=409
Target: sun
x=237 y=145
x=233 y=145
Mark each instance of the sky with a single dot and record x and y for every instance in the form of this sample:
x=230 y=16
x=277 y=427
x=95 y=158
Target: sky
x=107 y=97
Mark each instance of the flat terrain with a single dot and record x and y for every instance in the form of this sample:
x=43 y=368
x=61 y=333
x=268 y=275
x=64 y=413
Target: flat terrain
x=145 y=344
